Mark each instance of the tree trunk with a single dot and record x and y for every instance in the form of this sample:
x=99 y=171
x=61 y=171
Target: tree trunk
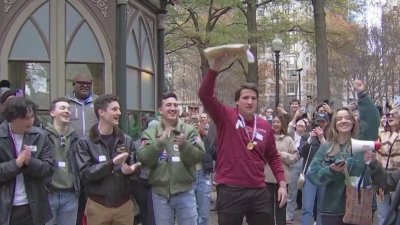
x=204 y=65
x=323 y=87
x=252 y=75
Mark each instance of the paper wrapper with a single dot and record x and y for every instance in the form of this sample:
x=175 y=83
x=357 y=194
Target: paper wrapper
x=230 y=50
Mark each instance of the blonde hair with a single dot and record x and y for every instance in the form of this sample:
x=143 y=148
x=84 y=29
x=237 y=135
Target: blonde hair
x=333 y=134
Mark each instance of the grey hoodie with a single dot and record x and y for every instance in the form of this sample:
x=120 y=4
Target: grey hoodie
x=83 y=116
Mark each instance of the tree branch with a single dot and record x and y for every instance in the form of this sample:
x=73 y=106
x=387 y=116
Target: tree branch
x=180 y=48
x=264 y=3
x=228 y=67
x=194 y=18
x=215 y=18
x=243 y=67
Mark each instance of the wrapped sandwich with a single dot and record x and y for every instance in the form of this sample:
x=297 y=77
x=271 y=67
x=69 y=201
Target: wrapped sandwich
x=230 y=50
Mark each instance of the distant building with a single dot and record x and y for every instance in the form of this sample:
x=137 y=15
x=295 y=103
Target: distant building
x=295 y=56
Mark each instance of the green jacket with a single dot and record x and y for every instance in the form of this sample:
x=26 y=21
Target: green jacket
x=320 y=173
x=172 y=171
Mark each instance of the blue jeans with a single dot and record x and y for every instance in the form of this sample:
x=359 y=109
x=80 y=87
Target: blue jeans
x=292 y=189
x=64 y=206
x=382 y=208
x=182 y=204
x=202 y=190
x=310 y=192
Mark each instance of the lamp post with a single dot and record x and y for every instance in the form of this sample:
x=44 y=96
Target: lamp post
x=277 y=46
x=299 y=87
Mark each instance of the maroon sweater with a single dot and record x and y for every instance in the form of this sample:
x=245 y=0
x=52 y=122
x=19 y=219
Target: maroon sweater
x=236 y=165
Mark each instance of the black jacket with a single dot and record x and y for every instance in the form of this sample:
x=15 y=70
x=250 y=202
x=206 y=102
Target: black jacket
x=207 y=161
x=96 y=169
x=308 y=149
x=39 y=170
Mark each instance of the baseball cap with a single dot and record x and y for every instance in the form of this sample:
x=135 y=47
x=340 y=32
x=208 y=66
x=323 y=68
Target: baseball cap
x=322 y=117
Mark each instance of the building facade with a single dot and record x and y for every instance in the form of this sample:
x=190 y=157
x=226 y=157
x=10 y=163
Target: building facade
x=45 y=43
x=297 y=62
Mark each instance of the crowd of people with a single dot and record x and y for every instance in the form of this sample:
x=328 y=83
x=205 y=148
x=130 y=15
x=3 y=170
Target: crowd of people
x=81 y=168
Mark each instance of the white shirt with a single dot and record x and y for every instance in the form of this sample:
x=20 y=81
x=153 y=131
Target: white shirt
x=297 y=139
x=20 y=197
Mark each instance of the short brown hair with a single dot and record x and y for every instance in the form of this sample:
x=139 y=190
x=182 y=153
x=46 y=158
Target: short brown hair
x=57 y=100
x=165 y=96
x=248 y=86
x=102 y=102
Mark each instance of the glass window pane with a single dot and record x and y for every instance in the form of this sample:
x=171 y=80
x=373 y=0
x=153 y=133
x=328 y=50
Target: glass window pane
x=147 y=62
x=94 y=69
x=84 y=47
x=34 y=79
x=132 y=89
x=29 y=45
x=42 y=18
x=73 y=18
x=133 y=124
x=148 y=89
x=132 y=53
x=147 y=59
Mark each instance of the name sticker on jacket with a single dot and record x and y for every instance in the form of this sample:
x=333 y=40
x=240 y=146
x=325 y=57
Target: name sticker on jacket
x=102 y=158
x=259 y=136
x=61 y=164
x=176 y=159
x=32 y=148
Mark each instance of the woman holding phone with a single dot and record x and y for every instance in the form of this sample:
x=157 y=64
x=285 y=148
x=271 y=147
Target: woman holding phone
x=325 y=172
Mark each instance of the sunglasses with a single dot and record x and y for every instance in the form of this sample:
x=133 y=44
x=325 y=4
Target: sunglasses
x=63 y=139
x=83 y=83
x=193 y=108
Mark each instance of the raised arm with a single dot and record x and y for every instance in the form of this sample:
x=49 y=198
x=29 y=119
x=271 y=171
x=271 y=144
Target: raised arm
x=206 y=92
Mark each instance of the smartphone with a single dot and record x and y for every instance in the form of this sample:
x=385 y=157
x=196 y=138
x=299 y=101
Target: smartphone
x=128 y=159
x=340 y=162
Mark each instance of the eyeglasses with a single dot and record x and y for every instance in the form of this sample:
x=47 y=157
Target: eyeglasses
x=83 y=83
x=388 y=115
x=62 y=141
x=193 y=108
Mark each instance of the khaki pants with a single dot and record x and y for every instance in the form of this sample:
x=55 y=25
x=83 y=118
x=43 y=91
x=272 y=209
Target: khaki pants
x=97 y=214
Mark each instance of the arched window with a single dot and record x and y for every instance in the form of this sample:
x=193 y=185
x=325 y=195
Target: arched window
x=55 y=41
x=141 y=80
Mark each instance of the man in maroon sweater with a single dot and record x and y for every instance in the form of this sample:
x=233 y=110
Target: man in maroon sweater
x=245 y=144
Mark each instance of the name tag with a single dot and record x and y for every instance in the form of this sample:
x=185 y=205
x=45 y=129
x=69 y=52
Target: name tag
x=61 y=164
x=259 y=136
x=176 y=159
x=102 y=158
x=32 y=148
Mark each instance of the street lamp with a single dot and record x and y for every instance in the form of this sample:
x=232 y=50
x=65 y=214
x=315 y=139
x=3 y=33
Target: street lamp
x=298 y=74
x=277 y=46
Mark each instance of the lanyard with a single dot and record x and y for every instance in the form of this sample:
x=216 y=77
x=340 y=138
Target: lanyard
x=254 y=127
x=13 y=142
